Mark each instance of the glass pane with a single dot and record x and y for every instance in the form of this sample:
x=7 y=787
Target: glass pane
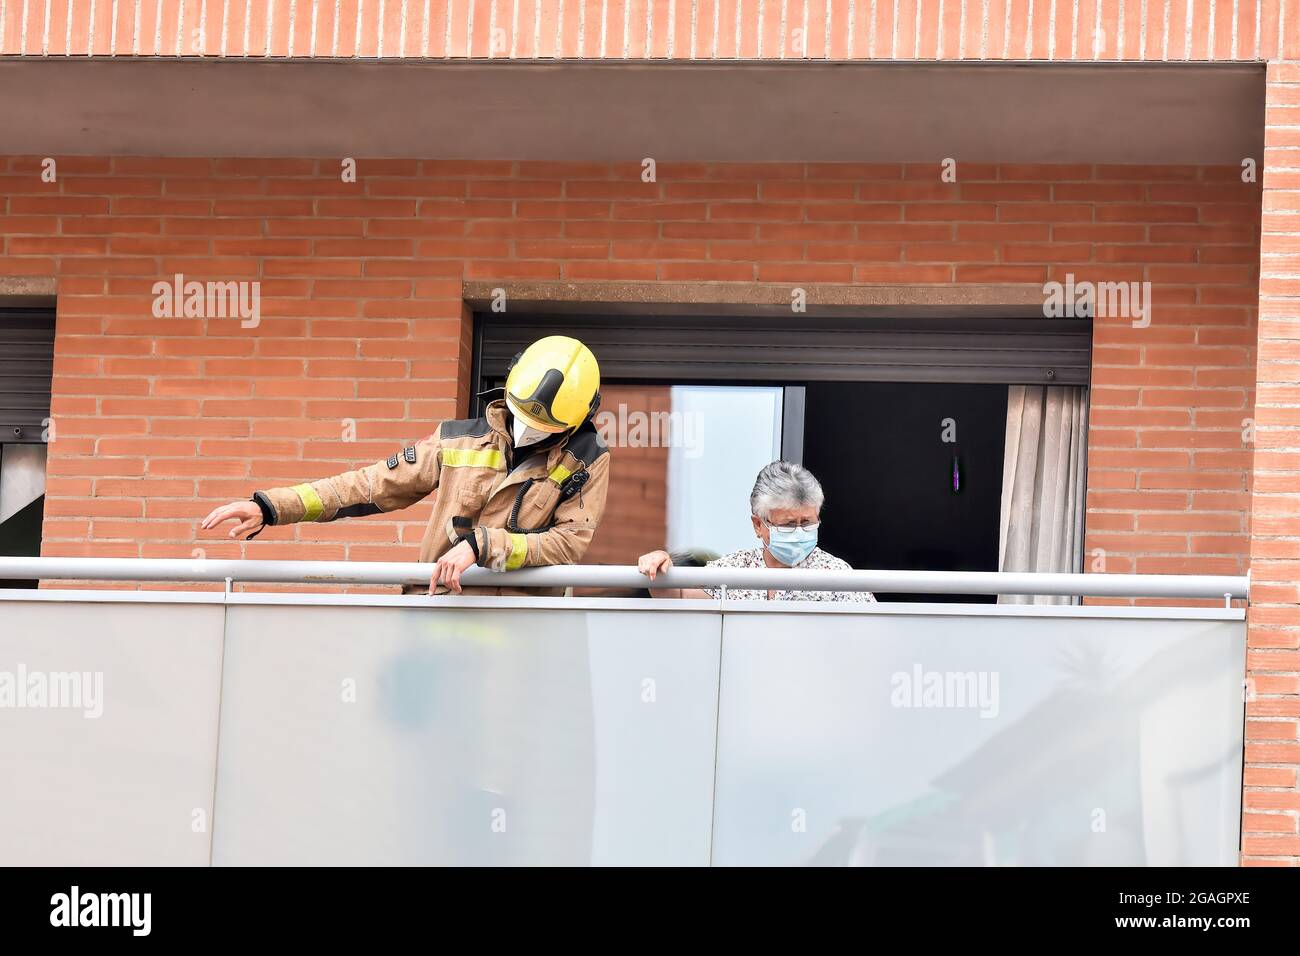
x=684 y=462
x=731 y=432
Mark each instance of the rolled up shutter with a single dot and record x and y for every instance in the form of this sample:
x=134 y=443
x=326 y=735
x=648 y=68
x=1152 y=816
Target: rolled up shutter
x=26 y=370
x=1011 y=351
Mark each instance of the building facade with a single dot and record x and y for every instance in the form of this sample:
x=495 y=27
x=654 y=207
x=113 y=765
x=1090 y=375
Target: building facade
x=381 y=177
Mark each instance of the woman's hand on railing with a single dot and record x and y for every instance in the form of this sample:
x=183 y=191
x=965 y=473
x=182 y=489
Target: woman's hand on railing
x=661 y=562
x=247 y=513
x=656 y=562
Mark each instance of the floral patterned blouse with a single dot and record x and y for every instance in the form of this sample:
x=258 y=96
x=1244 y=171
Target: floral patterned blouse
x=819 y=560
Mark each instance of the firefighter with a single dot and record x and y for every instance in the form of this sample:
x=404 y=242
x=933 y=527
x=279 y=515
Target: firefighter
x=524 y=485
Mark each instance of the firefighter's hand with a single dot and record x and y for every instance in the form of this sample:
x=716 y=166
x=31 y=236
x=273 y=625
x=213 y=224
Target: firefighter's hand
x=448 y=568
x=656 y=562
x=246 y=513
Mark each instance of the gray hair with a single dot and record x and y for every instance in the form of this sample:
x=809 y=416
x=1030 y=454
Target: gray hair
x=783 y=484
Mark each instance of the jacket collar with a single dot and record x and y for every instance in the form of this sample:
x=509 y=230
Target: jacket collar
x=497 y=416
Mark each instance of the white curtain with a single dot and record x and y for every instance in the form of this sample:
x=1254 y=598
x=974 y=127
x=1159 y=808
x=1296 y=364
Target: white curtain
x=1043 y=484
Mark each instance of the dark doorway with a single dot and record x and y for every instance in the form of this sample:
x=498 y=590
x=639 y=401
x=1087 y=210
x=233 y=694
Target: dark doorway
x=880 y=452
x=20 y=537
x=26 y=373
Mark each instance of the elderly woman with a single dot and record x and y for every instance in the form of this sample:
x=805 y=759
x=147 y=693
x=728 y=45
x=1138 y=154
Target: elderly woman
x=786 y=506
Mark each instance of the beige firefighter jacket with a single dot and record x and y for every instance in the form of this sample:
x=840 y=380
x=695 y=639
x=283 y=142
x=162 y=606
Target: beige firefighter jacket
x=542 y=514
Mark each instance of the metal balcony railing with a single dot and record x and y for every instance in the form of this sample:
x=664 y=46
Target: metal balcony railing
x=1219 y=587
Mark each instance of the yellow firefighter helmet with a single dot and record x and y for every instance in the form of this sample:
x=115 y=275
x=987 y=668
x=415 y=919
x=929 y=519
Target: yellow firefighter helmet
x=554 y=384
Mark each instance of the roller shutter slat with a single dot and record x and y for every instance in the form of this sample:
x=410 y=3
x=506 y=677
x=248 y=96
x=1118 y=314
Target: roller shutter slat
x=26 y=371
x=1012 y=351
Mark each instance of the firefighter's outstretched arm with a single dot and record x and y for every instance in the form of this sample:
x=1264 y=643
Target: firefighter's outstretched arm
x=388 y=485
x=576 y=520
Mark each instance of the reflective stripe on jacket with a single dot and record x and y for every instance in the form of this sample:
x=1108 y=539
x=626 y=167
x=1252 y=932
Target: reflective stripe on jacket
x=542 y=514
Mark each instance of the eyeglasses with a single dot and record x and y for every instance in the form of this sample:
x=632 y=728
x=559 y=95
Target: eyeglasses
x=805 y=525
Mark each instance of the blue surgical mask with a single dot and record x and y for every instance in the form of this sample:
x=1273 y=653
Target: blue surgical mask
x=791 y=545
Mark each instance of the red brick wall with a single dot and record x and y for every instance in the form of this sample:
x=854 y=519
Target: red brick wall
x=1272 y=801
x=159 y=419
x=637 y=505
x=700 y=29
x=1168 y=451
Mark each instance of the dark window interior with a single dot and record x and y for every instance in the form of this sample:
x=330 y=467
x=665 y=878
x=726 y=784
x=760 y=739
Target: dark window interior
x=878 y=450
x=26 y=370
x=20 y=537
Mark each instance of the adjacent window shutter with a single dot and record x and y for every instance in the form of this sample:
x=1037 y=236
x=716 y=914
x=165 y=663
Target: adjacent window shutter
x=1008 y=351
x=26 y=370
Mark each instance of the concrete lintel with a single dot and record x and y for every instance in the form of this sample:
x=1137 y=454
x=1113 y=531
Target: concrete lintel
x=755 y=298
x=20 y=291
